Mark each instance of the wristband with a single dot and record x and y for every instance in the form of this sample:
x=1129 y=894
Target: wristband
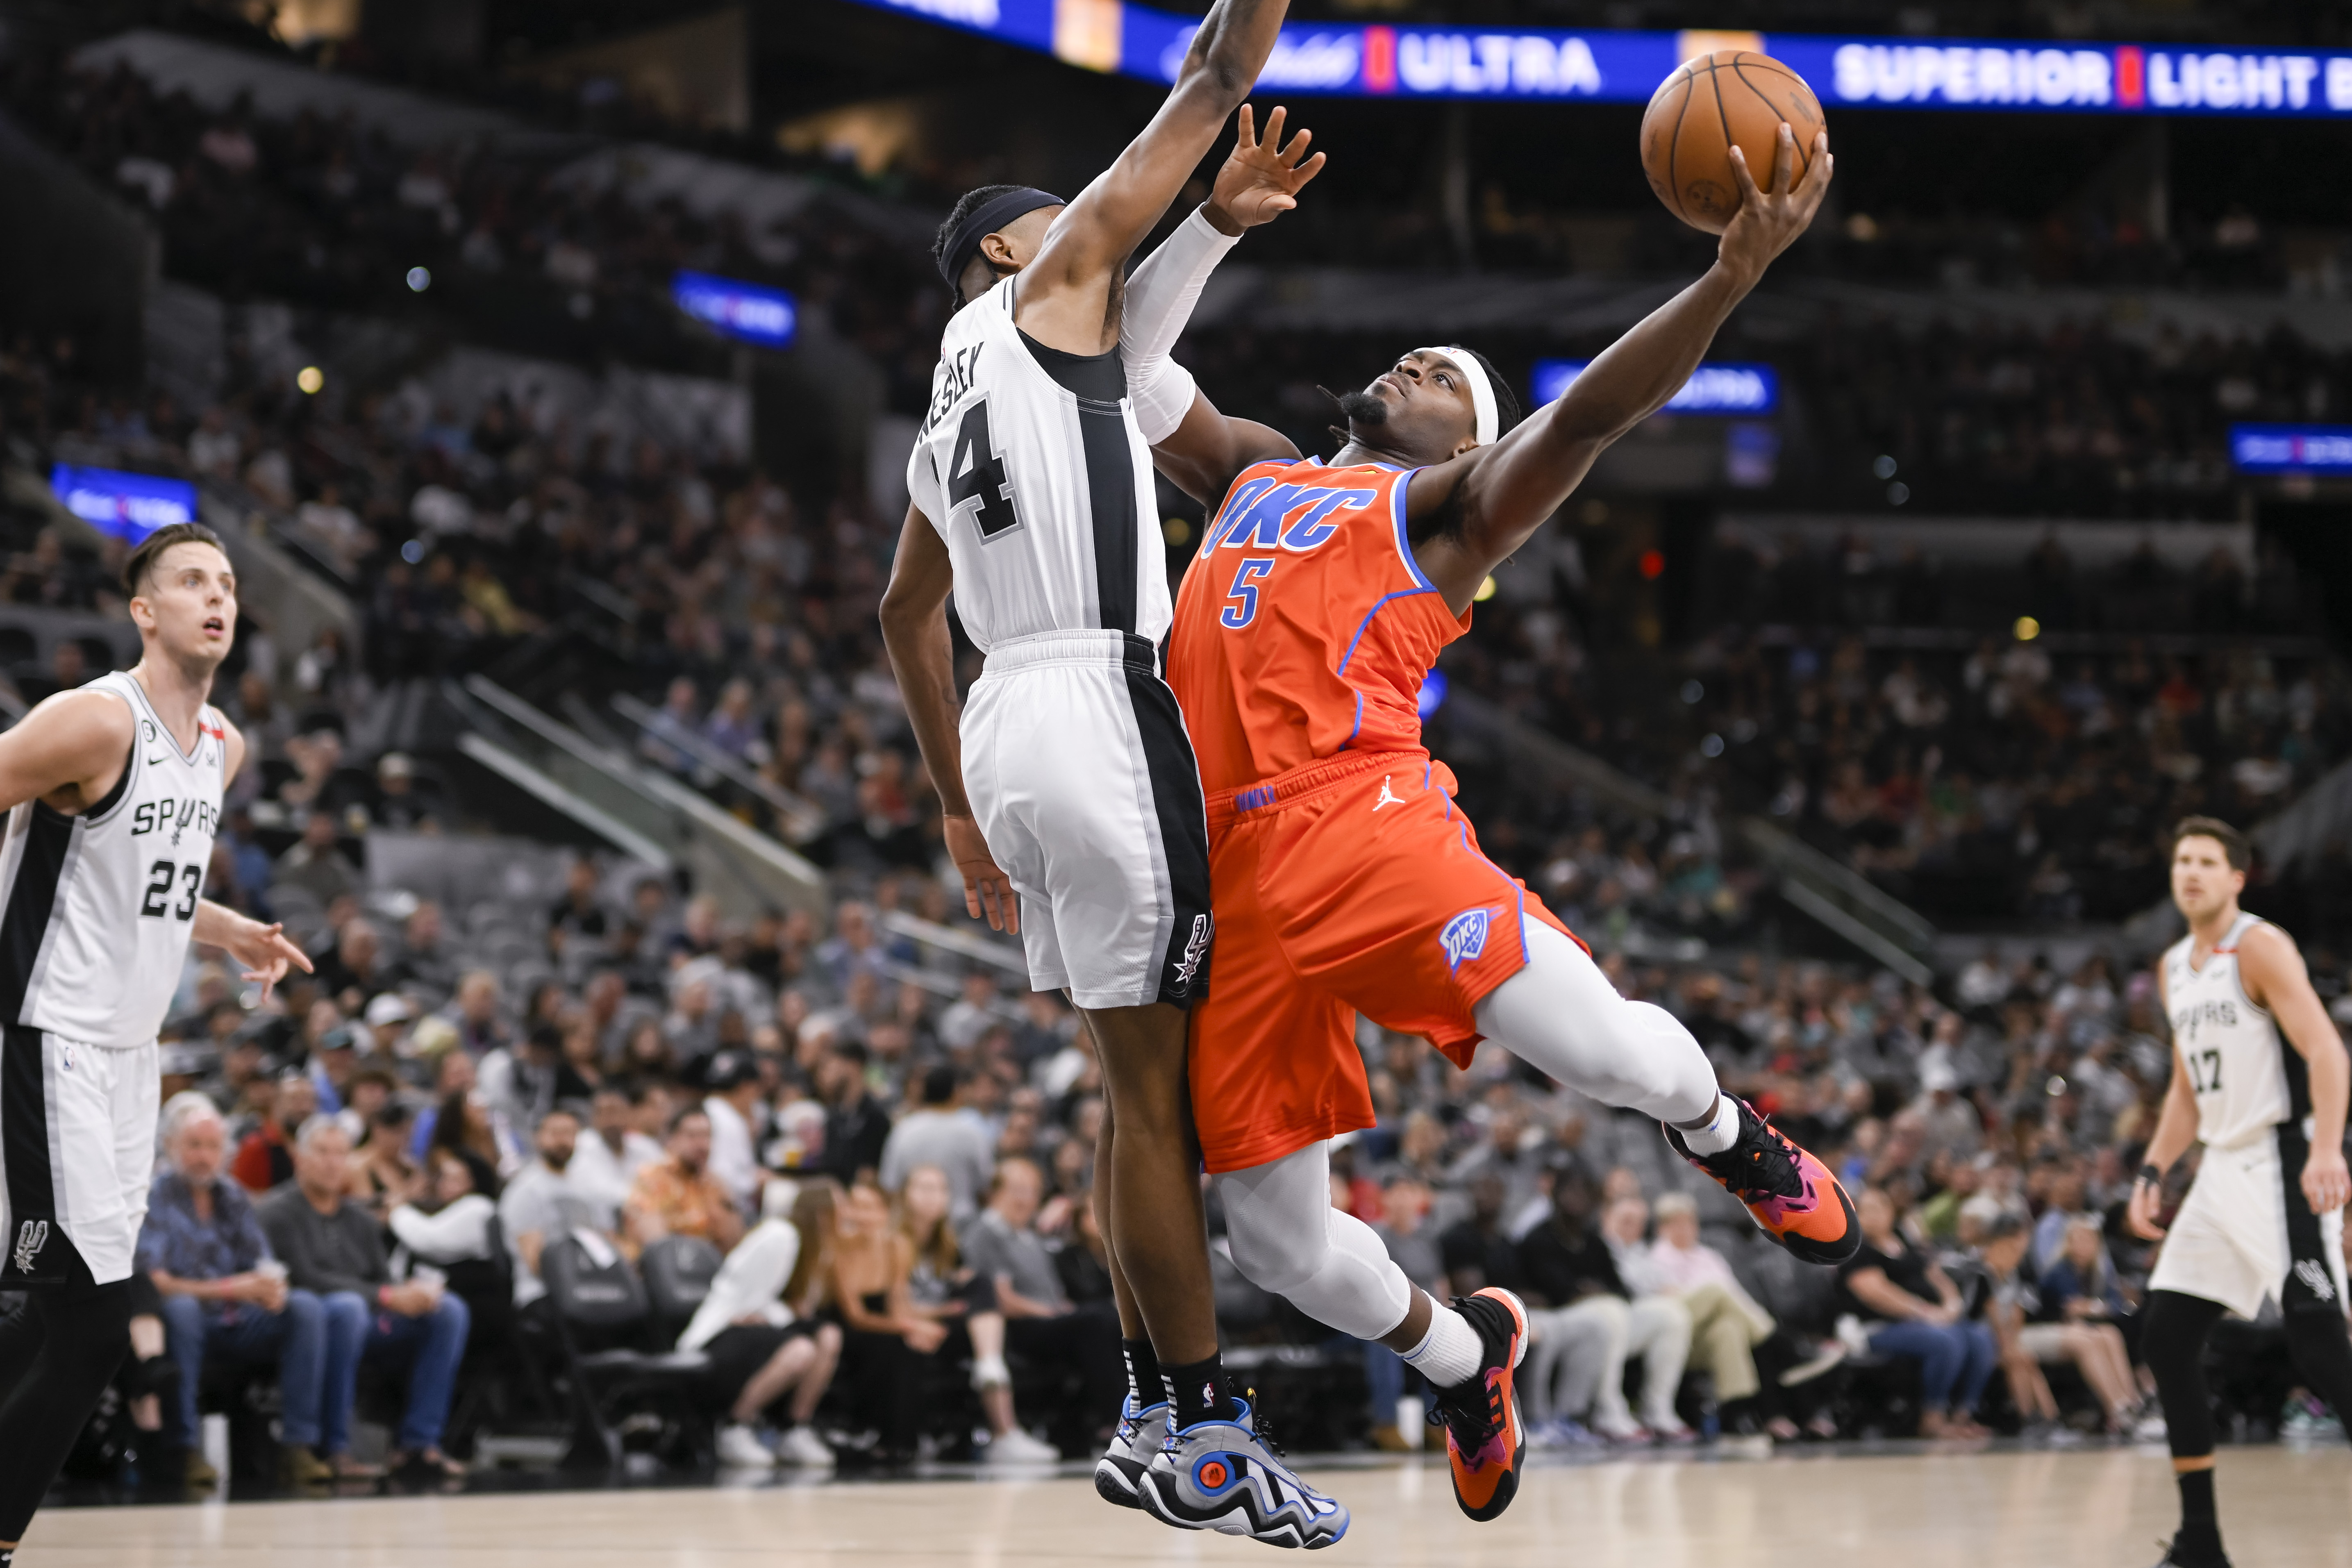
x=2151 y=1175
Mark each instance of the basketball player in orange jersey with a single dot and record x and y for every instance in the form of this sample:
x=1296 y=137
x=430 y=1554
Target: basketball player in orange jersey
x=1343 y=877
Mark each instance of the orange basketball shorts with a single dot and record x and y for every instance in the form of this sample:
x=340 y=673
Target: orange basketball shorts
x=1349 y=886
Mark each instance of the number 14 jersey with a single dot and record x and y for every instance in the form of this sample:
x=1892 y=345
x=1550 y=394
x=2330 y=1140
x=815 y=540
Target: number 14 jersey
x=1031 y=466
x=96 y=909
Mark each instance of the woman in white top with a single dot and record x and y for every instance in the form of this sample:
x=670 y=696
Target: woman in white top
x=759 y=1329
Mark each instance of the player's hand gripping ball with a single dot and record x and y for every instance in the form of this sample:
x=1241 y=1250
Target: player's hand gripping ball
x=1712 y=103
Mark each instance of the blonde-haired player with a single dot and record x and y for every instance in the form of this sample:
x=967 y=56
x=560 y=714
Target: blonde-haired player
x=113 y=793
x=2259 y=1076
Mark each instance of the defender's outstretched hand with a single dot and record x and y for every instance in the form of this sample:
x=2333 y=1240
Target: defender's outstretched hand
x=1260 y=179
x=1769 y=222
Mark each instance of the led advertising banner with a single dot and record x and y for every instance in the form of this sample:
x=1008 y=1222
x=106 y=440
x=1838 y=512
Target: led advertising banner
x=1718 y=388
x=126 y=505
x=1384 y=61
x=2292 y=448
x=751 y=311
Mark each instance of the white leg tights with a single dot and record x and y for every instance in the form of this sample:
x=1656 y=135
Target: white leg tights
x=1287 y=1239
x=1561 y=1014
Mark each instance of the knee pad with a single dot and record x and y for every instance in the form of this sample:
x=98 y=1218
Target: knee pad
x=1275 y=1256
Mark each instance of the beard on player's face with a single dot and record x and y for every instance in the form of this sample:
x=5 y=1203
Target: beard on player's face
x=1363 y=406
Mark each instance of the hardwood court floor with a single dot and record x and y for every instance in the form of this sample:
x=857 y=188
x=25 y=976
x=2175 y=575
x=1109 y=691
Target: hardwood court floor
x=2100 y=1508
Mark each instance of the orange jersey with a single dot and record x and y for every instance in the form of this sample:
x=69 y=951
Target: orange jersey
x=1305 y=628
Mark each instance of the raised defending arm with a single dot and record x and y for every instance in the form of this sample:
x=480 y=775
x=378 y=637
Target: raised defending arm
x=1490 y=499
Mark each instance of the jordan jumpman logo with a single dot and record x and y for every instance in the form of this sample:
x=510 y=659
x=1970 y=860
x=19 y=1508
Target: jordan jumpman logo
x=1388 y=797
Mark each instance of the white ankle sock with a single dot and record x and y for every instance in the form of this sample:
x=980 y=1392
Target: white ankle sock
x=1718 y=1134
x=1449 y=1353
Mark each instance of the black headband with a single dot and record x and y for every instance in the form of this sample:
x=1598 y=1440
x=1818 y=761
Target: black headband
x=985 y=220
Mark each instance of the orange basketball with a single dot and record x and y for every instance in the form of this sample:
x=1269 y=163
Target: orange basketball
x=1707 y=105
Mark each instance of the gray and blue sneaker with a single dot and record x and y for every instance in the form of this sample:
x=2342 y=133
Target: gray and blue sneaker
x=1225 y=1476
x=1139 y=1435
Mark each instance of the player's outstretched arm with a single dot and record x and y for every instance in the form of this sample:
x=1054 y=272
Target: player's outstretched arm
x=1064 y=297
x=2274 y=977
x=1493 y=497
x=76 y=743
x=1199 y=449
x=922 y=659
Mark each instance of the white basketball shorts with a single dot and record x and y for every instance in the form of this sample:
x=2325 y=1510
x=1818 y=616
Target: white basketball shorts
x=77 y=1141
x=1082 y=780
x=2231 y=1241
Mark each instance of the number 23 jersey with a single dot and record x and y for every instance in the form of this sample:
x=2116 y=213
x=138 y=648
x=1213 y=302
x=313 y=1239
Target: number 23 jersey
x=1031 y=466
x=96 y=909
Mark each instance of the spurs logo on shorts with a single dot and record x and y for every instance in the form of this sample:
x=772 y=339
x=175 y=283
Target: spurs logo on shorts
x=1465 y=936
x=2313 y=1274
x=31 y=1236
x=1195 y=949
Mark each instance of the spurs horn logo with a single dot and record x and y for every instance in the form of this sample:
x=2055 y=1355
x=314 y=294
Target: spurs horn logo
x=31 y=1236
x=1195 y=949
x=2313 y=1274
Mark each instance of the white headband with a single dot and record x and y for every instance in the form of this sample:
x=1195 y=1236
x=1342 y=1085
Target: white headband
x=1482 y=390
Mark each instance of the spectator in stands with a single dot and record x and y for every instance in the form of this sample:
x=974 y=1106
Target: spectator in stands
x=679 y=1195
x=521 y=1082
x=465 y=1128
x=1910 y=1308
x=546 y=1201
x=885 y=1335
x=1476 y=1250
x=316 y=864
x=265 y=1159
x=1003 y=1247
x=224 y=1296
x=607 y=1160
x=354 y=971
x=856 y=1127
x=940 y=1287
x=669 y=736
x=737 y=1124
x=403 y=801
x=580 y=911
x=477 y=1013
x=334 y=1251
x=941 y=1136
x=758 y=1325
x=1568 y=1265
x=424 y=965
x=1412 y=1245
x=2035 y=1328
x=1723 y=1341
x=383 y=1172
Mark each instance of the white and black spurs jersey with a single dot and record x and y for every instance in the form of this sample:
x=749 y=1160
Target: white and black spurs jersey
x=1031 y=466
x=2247 y=1079
x=96 y=909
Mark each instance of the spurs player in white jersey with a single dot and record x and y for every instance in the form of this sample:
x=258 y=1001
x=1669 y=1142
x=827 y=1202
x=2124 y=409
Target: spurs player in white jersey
x=114 y=793
x=1069 y=779
x=2260 y=1076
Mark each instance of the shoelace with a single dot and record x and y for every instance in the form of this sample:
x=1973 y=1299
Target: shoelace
x=1471 y=1424
x=1762 y=1165
x=1261 y=1428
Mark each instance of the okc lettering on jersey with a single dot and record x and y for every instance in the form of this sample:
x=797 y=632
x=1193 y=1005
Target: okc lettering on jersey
x=1267 y=514
x=951 y=382
x=1465 y=936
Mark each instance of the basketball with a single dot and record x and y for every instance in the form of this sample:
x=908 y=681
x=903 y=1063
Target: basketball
x=1700 y=111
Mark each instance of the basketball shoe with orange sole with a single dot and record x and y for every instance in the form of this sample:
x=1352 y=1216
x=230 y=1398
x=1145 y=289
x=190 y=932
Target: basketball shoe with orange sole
x=1790 y=1195
x=1486 y=1446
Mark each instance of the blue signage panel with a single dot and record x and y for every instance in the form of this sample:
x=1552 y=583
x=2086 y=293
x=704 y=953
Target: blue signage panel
x=2292 y=448
x=1715 y=388
x=751 y=311
x=1384 y=61
x=126 y=505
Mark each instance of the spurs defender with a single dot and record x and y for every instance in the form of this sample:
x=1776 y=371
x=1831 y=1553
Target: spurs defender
x=114 y=793
x=1070 y=780
x=2259 y=1076
x=1344 y=878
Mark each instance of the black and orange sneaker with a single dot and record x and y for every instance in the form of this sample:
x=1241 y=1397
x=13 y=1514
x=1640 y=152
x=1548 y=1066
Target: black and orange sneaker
x=1792 y=1196
x=1485 y=1443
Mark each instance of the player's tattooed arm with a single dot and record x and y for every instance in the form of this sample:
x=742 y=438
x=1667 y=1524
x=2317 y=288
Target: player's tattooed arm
x=2274 y=977
x=922 y=659
x=1492 y=498
x=68 y=751
x=1067 y=299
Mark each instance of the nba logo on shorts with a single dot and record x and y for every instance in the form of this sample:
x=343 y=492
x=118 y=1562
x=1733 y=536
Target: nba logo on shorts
x=1464 y=937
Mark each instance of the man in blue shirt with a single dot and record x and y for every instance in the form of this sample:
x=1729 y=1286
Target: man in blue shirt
x=222 y=1294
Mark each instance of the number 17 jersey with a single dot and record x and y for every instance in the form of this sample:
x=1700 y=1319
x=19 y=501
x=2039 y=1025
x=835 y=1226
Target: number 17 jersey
x=96 y=909
x=1031 y=466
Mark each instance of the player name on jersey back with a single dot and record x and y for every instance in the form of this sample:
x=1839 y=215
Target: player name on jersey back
x=1031 y=466
x=96 y=909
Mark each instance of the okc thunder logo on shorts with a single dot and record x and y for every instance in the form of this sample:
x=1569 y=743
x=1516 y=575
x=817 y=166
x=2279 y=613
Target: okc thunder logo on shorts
x=1465 y=936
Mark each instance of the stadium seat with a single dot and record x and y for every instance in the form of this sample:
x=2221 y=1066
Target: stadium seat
x=678 y=1272
x=596 y=1294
